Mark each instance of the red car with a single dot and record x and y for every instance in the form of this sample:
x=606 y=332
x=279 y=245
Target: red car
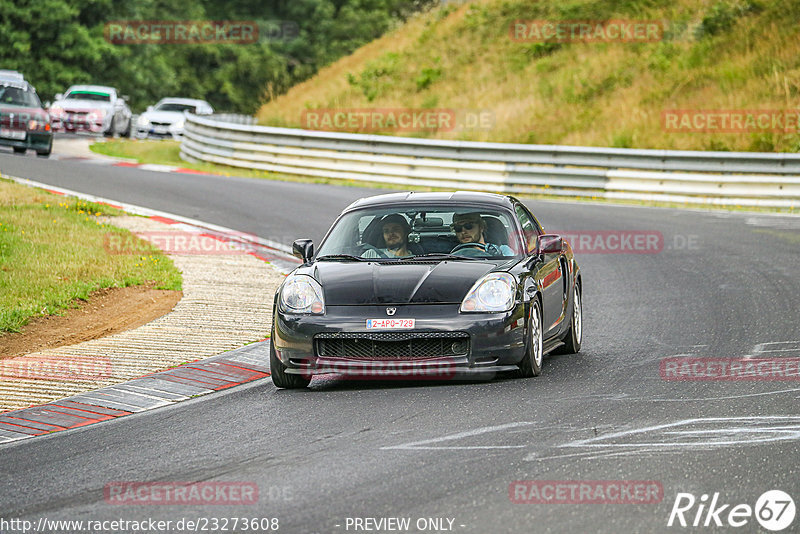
x=24 y=124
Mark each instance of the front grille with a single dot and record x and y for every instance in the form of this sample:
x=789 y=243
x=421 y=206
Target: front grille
x=156 y=123
x=392 y=345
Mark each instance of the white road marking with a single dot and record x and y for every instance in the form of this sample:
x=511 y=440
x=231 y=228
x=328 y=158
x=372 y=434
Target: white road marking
x=421 y=445
x=670 y=437
x=761 y=348
x=727 y=397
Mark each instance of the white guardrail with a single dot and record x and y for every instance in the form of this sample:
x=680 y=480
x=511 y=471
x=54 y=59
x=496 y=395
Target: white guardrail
x=723 y=178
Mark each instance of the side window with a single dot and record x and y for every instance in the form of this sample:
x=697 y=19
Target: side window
x=528 y=228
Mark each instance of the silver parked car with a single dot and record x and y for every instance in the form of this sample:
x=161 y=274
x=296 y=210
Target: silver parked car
x=166 y=118
x=91 y=108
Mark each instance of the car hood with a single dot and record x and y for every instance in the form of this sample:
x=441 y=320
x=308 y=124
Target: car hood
x=163 y=116
x=82 y=105
x=373 y=283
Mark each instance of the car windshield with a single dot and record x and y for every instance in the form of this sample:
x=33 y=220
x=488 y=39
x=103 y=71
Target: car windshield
x=94 y=96
x=172 y=106
x=13 y=95
x=427 y=232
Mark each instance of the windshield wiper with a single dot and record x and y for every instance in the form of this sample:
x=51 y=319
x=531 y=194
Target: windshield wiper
x=334 y=257
x=445 y=256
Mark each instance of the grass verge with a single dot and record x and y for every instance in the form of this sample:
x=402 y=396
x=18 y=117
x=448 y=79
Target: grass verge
x=52 y=252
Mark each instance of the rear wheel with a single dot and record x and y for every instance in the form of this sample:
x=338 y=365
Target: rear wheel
x=531 y=364
x=280 y=378
x=574 y=336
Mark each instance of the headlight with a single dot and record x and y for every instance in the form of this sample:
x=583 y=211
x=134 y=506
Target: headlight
x=302 y=294
x=56 y=110
x=493 y=293
x=142 y=121
x=176 y=126
x=35 y=125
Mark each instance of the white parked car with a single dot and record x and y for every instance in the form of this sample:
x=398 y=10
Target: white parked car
x=91 y=108
x=166 y=119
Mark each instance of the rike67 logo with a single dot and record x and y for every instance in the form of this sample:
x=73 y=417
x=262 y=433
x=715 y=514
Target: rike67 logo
x=774 y=510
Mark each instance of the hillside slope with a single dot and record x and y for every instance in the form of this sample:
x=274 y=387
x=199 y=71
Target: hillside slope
x=729 y=55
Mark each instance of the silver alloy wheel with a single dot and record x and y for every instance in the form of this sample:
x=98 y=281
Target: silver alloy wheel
x=536 y=335
x=577 y=316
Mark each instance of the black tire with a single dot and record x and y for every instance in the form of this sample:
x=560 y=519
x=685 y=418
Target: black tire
x=19 y=150
x=45 y=153
x=127 y=132
x=574 y=336
x=531 y=364
x=110 y=131
x=278 y=372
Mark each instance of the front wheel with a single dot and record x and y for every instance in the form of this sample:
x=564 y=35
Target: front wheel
x=531 y=364
x=277 y=370
x=19 y=150
x=111 y=128
x=46 y=152
x=574 y=336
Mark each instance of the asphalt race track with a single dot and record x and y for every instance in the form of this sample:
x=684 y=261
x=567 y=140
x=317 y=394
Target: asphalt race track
x=719 y=285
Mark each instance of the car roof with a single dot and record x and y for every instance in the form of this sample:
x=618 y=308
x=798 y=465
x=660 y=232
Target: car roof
x=16 y=82
x=181 y=101
x=8 y=74
x=465 y=197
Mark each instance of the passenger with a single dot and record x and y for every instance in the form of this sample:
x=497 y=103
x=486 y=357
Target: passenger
x=470 y=229
x=395 y=235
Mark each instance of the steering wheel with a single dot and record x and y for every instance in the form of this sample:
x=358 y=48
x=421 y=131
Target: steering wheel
x=366 y=246
x=468 y=245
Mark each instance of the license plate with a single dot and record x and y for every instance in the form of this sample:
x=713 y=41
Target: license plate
x=396 y=324
x=12 y=134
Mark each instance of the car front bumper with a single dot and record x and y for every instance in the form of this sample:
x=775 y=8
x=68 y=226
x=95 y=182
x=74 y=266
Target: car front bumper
x=158 y=132
x=80 y=122
x=495 y=341
x=40 y=141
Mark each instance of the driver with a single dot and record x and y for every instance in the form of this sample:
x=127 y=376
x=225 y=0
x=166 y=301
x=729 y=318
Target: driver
x=470 y=228
x=395 y=235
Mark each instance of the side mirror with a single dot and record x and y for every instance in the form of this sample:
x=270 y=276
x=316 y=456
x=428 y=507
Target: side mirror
x=47 y=105
x=549 y=244
x=149 y=108
x=303 y=249
x=126 y=98
x=58 y=96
